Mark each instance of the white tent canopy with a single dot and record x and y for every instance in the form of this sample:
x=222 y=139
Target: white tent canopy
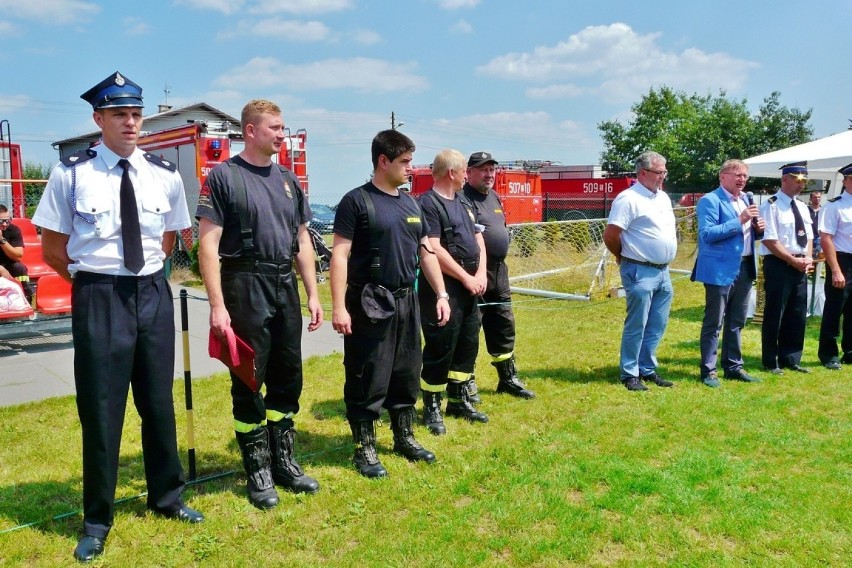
x=825 y=156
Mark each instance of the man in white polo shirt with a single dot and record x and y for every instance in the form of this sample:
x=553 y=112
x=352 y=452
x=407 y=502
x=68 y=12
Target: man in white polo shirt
x=641 y=234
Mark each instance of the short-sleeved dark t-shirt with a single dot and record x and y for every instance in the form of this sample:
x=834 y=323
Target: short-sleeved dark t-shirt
x=16 y=239
x=272 y=200
x=489 y=213
x=401 y=227
x=464 y=232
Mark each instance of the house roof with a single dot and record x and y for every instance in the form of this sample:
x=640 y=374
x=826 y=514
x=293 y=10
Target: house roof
x=154 y=119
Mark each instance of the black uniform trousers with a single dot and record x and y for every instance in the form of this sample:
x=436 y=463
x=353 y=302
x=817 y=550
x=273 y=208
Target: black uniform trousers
x=836 y=304
x=451 y=348
x=262 y=299
x=784 y=313
x=124 y=336
x=498 y=320
x=382 y=358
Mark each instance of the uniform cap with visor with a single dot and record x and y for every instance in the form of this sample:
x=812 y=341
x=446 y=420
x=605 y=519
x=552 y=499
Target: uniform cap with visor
x=480 y=159
x=799 y=170
x=114 y=91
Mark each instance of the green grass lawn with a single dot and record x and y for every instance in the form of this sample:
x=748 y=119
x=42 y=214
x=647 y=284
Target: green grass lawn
x=587 y=474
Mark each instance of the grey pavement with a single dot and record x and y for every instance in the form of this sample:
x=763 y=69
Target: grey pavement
x=42 y=366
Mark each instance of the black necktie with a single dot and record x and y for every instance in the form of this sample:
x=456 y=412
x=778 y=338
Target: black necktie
x=801 y=237
x=131 y=236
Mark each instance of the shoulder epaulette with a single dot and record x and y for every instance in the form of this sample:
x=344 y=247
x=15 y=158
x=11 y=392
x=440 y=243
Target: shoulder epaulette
x=158 y=161
x=833 y=199
x=773 y=199
x=79 y=157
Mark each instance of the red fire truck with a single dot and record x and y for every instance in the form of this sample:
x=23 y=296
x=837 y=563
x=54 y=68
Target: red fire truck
x=519 y=190
x=197 y=147
x=579 y=192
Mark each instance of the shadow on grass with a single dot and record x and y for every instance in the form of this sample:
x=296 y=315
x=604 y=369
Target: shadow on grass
x=608 y=374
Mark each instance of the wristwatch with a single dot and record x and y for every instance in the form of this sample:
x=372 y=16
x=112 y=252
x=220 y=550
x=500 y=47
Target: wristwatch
x=443 y=296
x=3 y=241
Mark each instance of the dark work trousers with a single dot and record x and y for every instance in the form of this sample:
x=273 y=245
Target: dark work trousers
x=836 y=304
x=498 y=320
x=263 y=302
x=382 y=358
x=784 y=313
x=124 y=336
x=450 y=350
x=15 y=268
x=725 y=309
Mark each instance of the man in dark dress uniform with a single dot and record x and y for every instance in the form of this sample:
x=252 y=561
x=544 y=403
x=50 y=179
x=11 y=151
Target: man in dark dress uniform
x=109 y=217
x=498 y=320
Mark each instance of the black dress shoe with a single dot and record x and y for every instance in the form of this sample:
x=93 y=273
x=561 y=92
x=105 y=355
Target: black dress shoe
x=798 y=368
x=774 y=370
x=657 y=380
x=88 y=548
x=634 y=384
x=833 y=365
x=740 y=375
x=184 y=514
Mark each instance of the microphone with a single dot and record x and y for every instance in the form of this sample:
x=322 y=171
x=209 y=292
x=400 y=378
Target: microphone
x=749 y=197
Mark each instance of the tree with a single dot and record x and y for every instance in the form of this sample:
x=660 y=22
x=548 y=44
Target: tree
x=34 y=190
x=697 y=133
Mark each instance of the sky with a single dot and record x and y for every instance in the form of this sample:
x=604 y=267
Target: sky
x=524 y=80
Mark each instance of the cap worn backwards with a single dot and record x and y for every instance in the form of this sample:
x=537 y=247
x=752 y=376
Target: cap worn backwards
x=480 y=159
x=114 y=91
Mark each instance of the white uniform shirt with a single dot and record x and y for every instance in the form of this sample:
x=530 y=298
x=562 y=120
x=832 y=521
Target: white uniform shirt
x=781 y=224
x=92 y=220
x=835 y=219
x=647 y=222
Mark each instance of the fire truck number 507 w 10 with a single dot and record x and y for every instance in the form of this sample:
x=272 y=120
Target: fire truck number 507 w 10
x=519 y=188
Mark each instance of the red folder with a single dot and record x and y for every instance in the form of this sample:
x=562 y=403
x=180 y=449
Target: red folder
x=236 y=354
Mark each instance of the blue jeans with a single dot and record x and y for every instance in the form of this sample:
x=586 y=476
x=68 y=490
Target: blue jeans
x=649 y=298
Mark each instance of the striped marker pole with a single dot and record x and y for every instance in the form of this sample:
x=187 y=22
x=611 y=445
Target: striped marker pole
x=187 y=381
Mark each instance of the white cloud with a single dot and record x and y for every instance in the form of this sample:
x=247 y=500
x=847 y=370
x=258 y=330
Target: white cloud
x=224 y=6
x=461 y=27
x=60 y=12
x=299 y=6
x=135 y=26
x=616 y=62
x=455 y=4
x=366 y=37
x=361 y=74
x=8 y=29
x=285 y=30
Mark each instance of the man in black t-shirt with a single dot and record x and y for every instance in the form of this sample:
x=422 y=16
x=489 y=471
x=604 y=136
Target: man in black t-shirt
x=498 y=320
x=449 y=354
x=379 y=232
x=12 y=251
x=254 y=293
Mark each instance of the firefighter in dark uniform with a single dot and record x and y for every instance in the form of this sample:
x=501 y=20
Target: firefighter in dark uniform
x=449 y=353
x=787 y=260
x=835 y=229
x=379 y=232
x=498 y=320
x=109 y=217
x=252 y=230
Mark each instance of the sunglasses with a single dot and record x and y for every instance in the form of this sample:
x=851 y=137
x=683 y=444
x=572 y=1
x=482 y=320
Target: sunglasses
x=5 y=221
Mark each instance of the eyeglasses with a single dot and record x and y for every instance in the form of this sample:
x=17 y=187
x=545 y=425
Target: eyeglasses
x=743 y=176
x=4 y=221
x=663 y=173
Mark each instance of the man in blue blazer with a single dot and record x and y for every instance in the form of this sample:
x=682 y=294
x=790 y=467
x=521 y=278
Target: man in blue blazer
x=728 y=225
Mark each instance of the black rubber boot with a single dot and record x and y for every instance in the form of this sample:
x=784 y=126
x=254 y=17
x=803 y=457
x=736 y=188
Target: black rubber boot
x=257 y=461
x=286 y=472
x=365 y=458
x=402 y=424
x=508 y=381
x=473 y=390
x=432 y=417
x=459 y=405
